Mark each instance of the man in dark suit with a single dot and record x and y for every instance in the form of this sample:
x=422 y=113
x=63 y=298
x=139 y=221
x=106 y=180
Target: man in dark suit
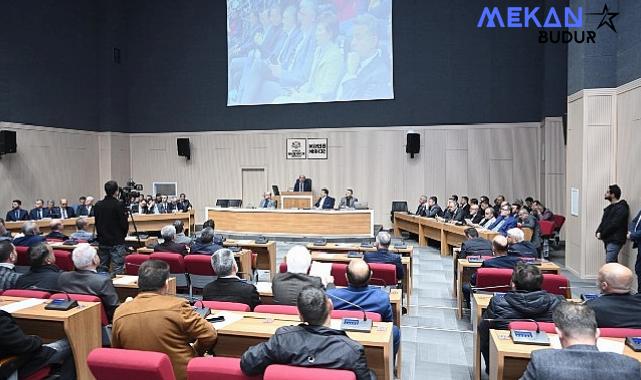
x=325 y=202
x=464 y=204
x=517 y=245
x=168 y=234
x=228 y=287
x=31 y=235
x=56 y=227
x=66 y=211
x=634 y=235
x=474 y=245
x=52 y=211
x=286 y=286
x=383 y=255
x=526 y=220
x=86 y=209
x=475 y=215
x=16 y=213
x=43 y=273
x=454 y=213
x=81 y=208
x=206 y=243
x=183 y=203
x=303 y=184
x=433 y=209
x=421 y=210
x=38 y=212
x=617 y=306
x=580 y=358
x=86 y=280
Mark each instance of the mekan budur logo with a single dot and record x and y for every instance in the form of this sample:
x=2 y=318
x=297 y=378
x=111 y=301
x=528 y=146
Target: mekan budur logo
x=548 y=21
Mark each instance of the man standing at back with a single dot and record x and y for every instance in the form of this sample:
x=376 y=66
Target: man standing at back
x=614 y=224
x=580 y=358
x=112 y=226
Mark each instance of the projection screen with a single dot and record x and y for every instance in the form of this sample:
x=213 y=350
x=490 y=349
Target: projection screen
x=304 y=51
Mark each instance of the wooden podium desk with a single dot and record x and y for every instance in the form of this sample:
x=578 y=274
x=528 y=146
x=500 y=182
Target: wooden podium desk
x=254 y=328
x=294 y=223
x=127 y=286
x=81 y=326
x=266 y=259
x=295 y=199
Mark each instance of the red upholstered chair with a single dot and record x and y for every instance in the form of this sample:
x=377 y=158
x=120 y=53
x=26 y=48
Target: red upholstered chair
x=383 y=274
x=547 y=327
x=282 y=268
x=53 y=240
x=23 y=256
x=63 y=260
x=216 y=368
x=40 y=374
x=198 y=265
x=339 y=272
x=133 y=263
x=84 y=298
x=116 y=364
x=547 y=233
x=287 y=372
x=219 y=305
x=339 y=314
x=612 y=332
x=559 y=221
x=277 y=309
x=494 y=277
x=176 y=266
x=556 y=284
x=26 y=293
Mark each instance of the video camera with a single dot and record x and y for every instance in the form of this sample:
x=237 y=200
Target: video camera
x=131 y=190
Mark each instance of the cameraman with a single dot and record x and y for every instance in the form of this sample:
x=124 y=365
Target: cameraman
x=112 y=227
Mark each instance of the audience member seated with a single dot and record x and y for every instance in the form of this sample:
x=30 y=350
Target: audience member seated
x=453 y=212
x=580 y=358
x=163 y=205
x=464 y=204
x=370 y=298
x=38 y=212
x=517 y=246
x=228 y=287
x=488 y=218
x=16 y=213
x=180 y=237
x=475 y=215
x=383 y=255
x=32 y=354
x=501 y=260
x=617 y=306
x=433 y=209
x=286 y=286
x=8 y=257
x=349 y=200
x=183 y=203
x=66 y=212
x=311 y=344
x=52 y=211
x=56 y=227
x=43 y=273
x=325 y=202
x=526 y=220
x=86 y=280
x=155 y=321
x=168 y=234
x=81 y=233
x=30 y=235
x=81 y=205
x=86 y=209
x=218 y=239
x=4 y=233
x=541 y=212
x=205 y=244
x=474 y=245
x=267 y=201
x=421 y=210
x=526 y=300
x=498 y=201
x=504 y=222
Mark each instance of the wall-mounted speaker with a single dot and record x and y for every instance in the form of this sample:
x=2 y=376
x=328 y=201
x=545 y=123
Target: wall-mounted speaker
x=8 y=142
x=184 y=149
x=413 y=145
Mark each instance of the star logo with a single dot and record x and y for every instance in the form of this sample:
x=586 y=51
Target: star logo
x=606 y=18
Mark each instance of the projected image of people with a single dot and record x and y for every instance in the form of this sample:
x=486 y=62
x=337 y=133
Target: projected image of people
x=303 y=51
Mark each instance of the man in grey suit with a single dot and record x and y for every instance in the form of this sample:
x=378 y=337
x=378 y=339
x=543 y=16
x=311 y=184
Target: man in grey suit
x=348 y=201
x=580 y=358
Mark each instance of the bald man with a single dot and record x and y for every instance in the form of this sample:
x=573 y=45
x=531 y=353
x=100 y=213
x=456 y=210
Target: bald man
x=368 y=297
x=617 y=306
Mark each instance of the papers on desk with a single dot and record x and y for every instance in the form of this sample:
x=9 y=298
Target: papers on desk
x=603 y=344
x=17 y=306
x=242 y=242
x=56 y=244
x=125 y=280
x=264 y=287
x=322 y=270
x=323 y=255
x=230 y=317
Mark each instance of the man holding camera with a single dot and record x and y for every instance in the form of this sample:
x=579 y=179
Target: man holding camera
x=112 y=226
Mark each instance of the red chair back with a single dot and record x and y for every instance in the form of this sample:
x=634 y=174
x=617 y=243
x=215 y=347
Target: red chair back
x=54 y=240
x=493 y=277
x=40 y=374
x=199 y=265
x=133 y=262
x=612 y=332
x=286 y=372
x=276 y=309
x=63 y=260
x=117 y=364
x=339 y=272
x=384 y=274
x=547 y=327
x=212 y=368
x=220 y=305
x=23 y=256
x=556 y=284
x=559 y=220
x=26 y=293
x=339 y=314
x=175 y=261
x=84 y=298
x=282 y=268
x=547 y=228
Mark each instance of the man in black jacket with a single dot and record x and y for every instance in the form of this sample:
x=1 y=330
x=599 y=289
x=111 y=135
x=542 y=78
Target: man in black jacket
x=228 y=287
x=617 y=306
x=614 y=224
x=517 y=245
x=168 y=234
x=43 y=273
x=525 y=301
x=310 y=344
x=112 y=226
x=474 y=245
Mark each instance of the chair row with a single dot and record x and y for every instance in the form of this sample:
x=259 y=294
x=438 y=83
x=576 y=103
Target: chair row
x=63 y=258
x=498 y=280
x=117 y=364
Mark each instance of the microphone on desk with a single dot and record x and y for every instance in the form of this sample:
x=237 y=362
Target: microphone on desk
x=58 y=304
x=539 y=338
x=352 y=324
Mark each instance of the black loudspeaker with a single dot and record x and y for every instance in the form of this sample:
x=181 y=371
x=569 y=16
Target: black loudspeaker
x=8 y=142
x=184 y=149
x=413 y=145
